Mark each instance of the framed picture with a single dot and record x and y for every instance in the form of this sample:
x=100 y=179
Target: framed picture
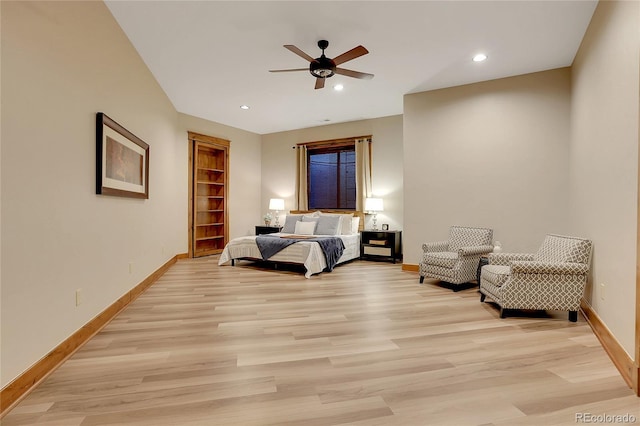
x=122 y=160
x=385 y=226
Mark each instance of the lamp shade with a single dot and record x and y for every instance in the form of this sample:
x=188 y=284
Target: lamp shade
x=373 y=205
x=276 y=204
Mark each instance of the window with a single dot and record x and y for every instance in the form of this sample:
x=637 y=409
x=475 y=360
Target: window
x=332 y=177
x=333 y=174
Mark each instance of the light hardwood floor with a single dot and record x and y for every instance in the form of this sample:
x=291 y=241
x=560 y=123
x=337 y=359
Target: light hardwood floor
x=363 y=345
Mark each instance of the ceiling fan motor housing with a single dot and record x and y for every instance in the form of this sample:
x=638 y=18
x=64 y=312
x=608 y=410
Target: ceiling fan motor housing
x=322 y=67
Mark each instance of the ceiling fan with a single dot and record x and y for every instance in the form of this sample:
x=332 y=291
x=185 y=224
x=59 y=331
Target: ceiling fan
x=323 y=67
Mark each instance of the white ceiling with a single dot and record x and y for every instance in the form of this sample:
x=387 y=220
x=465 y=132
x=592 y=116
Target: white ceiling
x=210 y=57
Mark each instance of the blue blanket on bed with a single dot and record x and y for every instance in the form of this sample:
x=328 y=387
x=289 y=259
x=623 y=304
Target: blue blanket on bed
x=332 y=247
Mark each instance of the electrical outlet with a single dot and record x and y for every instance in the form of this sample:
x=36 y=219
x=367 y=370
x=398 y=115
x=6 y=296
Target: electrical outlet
x=78 y=297
x=602 y=287
x=131 y=267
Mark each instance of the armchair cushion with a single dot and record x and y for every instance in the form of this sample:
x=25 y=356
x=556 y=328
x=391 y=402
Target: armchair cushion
x=462 y=236
x=496 y=274
x=507 y=258
x=533 y=267
x=437 y=246
x=474 y=250
x=445 y=259
x=560 y=248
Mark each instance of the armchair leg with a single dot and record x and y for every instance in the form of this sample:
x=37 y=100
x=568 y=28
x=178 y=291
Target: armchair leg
x=421 y=279
x=482 y=297
x=503 y=313
x=573 y=316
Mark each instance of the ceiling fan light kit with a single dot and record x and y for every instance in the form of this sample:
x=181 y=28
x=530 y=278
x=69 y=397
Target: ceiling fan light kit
x=322 y=68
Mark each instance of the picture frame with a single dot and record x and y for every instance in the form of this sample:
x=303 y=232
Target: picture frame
x=385 y=226
x=122 y=160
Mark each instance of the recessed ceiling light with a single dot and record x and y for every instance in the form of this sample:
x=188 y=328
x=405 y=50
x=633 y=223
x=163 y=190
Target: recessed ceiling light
x=338 y=87
x=479 y=57
x=244 y=106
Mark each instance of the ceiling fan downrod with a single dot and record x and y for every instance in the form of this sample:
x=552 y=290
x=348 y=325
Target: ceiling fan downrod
x=322 y=67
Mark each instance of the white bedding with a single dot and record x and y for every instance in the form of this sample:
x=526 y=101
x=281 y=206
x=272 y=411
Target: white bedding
x=307 y=253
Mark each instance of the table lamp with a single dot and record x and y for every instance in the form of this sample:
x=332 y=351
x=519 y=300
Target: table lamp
x=276 y=204
x=373 y=206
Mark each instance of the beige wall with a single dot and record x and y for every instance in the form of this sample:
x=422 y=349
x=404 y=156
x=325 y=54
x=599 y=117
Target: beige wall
x=244 y=171
x=279 y=172
x=1 y=377
x=491 y=154
x=604 y=160
x=61 y=63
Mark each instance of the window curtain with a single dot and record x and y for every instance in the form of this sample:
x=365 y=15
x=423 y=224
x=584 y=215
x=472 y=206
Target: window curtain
x=363 y=172
x=302 y=187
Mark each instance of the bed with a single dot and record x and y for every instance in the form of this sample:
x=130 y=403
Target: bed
x=303 y=250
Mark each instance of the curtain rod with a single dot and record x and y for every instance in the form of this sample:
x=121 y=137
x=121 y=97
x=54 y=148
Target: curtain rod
x=331 y=142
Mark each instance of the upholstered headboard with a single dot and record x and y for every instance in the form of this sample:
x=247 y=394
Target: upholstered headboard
x=355 y=214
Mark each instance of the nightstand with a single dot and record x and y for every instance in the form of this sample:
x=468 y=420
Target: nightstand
x=260 y=230
x=381 y=245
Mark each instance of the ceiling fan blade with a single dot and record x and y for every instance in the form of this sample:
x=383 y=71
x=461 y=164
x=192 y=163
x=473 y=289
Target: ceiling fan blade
x=294 y=69
x=319 y=83
x=354 y=74
x=299 y=52
x=356 y=52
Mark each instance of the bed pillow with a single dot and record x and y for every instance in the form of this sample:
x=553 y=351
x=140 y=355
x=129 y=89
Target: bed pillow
x=290 y=223
x=355 y=224
x=346 y=221
x=329 y=225
x=346 y=224
x=305 y=228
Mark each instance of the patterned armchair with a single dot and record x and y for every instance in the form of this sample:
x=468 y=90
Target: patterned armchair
x=456 y=260
x=552 y=279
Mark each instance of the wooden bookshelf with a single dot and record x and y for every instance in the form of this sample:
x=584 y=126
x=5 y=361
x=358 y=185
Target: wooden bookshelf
x=209 y=216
